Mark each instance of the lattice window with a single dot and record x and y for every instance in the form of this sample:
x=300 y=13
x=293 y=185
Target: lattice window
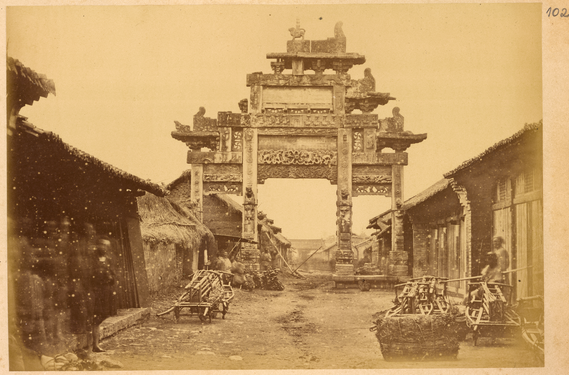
x=529 y=181
x=501 y=191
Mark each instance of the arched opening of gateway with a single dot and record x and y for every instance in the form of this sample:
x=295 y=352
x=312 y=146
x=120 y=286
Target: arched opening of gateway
x=301 y=207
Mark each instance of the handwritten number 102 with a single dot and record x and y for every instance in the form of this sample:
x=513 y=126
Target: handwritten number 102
x=555 y=12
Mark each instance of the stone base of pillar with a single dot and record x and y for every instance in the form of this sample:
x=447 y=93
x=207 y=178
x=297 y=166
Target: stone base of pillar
x=398 y=256
x=344 y=269
x=398 y=263
x=251 y=267
x=344 y=256
x=250 y=255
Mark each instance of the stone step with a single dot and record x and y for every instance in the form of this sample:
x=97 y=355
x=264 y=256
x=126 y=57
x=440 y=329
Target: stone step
x=124 y=319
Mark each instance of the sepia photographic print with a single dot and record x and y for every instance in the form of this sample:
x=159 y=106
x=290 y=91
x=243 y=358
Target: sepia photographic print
x=349 y=187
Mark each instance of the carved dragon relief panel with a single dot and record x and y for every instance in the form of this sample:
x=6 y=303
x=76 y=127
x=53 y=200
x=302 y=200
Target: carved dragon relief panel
x=298 y=157
x=222 y=178
x=220 y=169
x=295 y=80
x=371 y=179
x=220 y=187
x=265 y=171
x=299 y=132
x=371 y=189
x=309 y=120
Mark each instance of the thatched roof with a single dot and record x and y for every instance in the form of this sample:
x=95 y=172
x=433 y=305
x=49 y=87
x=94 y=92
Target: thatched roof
x=165 y=221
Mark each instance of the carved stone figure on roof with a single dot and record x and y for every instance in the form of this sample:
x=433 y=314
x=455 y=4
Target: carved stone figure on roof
x=368 y=82
x=297 y=32
x=201 y=112
x=340 y=38
x=181 y=127
x=396 y=123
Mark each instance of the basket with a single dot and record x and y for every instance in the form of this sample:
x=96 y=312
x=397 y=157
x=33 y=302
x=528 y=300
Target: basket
x=417 y=337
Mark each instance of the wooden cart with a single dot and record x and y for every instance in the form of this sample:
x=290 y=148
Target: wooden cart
x=425 y=295
x=207 y=294
x=488 y=309
x=530 y=310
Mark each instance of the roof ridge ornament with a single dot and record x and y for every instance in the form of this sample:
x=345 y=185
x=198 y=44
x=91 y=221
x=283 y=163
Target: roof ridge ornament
x=297 y=32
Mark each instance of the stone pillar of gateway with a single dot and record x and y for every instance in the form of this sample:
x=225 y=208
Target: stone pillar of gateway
x=298 y=123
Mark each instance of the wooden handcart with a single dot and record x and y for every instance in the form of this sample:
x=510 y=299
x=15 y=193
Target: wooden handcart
x=488 y=309
x=207 y=294
x=530 y=310
x=425 y=295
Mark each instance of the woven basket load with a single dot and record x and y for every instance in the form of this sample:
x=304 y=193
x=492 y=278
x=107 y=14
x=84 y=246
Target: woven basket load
x=417 y=337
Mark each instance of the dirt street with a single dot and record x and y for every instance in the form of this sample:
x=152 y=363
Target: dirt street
x=309 y=325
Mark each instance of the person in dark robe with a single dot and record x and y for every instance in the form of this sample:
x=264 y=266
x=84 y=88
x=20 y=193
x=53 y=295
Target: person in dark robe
x=102 y=287
x=80 y=300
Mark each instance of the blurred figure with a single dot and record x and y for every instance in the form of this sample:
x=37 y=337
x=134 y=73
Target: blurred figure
x=102 y=286
x=80 y=301
x=30 y=296
x=223 y=263
x=492 y=273
x=27 y=341
x=502 y=254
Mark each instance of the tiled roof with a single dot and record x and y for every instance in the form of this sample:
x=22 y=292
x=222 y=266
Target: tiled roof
x=413 y=201
x=307 y=244
x=52 y=140
x=426 y=194
x=27 y=81
x=503 y=143
x=282 y=239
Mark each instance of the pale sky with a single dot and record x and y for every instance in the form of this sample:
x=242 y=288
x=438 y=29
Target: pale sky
x=468 y=75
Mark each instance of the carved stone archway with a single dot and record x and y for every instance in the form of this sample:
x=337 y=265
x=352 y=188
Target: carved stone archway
x=301 y=125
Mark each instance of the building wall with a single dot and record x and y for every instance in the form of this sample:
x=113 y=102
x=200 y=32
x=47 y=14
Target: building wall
x=421 y=251
x=220 y=219
x=164 y=266
x=518 y=218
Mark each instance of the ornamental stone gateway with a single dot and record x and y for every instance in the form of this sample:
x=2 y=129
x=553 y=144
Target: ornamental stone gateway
x=300 y=125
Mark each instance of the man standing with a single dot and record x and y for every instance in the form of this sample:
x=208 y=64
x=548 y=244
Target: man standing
x=501 y=253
